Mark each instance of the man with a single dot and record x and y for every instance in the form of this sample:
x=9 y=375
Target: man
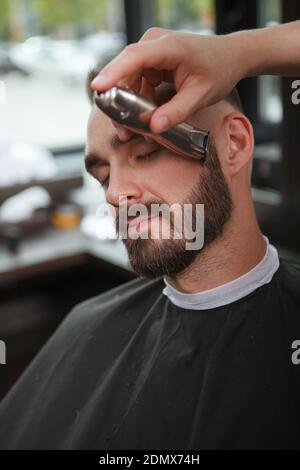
x=198 y=356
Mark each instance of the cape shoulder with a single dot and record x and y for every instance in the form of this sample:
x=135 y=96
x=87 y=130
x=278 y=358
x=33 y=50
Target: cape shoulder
x=288 y=279
x=135 y=295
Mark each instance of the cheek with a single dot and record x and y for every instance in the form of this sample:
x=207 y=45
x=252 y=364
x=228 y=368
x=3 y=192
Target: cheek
x=172 y=178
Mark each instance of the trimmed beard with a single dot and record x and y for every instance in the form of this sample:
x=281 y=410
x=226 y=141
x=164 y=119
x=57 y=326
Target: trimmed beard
x=152 y=258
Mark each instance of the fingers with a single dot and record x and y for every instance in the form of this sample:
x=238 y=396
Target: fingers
x=147 y=90
x=123 y=133
x=153 y=77
x=133 y=81
x=175 y=111
x=154 y=33
x=134 y=59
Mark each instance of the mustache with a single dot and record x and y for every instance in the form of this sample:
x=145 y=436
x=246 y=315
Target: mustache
x=129 y=218
x=154 y=208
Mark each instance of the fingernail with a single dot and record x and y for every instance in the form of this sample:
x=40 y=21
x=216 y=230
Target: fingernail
x=162 y=123
x=100 y=80
x=122 y=133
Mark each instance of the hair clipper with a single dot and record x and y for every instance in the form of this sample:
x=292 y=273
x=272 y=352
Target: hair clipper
x=134 y=112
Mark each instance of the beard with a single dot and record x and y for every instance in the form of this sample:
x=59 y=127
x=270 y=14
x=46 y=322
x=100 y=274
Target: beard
x=152 y=258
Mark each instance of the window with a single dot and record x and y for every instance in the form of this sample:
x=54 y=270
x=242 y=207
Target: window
x=194 y=15
x=46 y=50
x=269 y=87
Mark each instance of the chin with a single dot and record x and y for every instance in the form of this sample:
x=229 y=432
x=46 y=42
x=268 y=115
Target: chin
x=156 y=258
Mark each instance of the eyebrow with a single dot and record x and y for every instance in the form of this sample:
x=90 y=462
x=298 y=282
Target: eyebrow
x=92 y=159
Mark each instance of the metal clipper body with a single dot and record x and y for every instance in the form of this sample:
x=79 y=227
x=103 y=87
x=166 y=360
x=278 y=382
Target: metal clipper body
x=134 y=112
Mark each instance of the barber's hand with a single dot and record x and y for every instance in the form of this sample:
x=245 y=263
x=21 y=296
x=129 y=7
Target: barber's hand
x=204 y=69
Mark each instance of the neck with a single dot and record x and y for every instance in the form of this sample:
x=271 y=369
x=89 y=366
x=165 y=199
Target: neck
x=234 y=253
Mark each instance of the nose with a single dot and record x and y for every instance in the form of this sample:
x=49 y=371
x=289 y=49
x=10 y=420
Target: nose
x=122 y=183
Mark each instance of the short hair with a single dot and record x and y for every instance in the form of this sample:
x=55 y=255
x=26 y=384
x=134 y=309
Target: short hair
x=90 y=77
x=232 y=98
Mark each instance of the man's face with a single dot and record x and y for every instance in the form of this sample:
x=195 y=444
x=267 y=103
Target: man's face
x=145 y=173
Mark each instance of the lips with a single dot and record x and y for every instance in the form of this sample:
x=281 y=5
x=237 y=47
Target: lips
x=140 y=220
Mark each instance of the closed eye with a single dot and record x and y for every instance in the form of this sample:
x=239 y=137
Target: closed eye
x=147 y=156
x=144 y=157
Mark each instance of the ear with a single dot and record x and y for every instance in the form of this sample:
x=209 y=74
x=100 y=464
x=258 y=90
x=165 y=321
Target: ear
x=240 y=142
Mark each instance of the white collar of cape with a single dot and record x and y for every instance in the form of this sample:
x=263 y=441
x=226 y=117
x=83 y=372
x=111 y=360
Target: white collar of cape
x=231 y=291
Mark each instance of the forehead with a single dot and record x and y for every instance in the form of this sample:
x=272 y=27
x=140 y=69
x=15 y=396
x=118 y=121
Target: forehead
x=100 y=128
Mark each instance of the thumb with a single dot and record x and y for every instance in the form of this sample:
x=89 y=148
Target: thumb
x=175 y=111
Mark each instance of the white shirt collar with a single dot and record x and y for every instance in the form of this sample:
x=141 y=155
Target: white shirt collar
x=231 y=291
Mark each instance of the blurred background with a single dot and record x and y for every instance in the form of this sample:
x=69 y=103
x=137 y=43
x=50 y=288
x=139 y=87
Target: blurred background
x=57 y=244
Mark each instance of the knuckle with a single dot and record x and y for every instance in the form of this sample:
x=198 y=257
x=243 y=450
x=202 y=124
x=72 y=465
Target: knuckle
x=131 y=48
x=153 y=32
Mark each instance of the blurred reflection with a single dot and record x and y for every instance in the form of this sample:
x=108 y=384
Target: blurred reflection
x=197 y=16
x=49 y=261
x=270 y=104
x=46 y=49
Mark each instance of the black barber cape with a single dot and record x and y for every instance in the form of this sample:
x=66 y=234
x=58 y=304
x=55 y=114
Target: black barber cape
x=130 y=370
